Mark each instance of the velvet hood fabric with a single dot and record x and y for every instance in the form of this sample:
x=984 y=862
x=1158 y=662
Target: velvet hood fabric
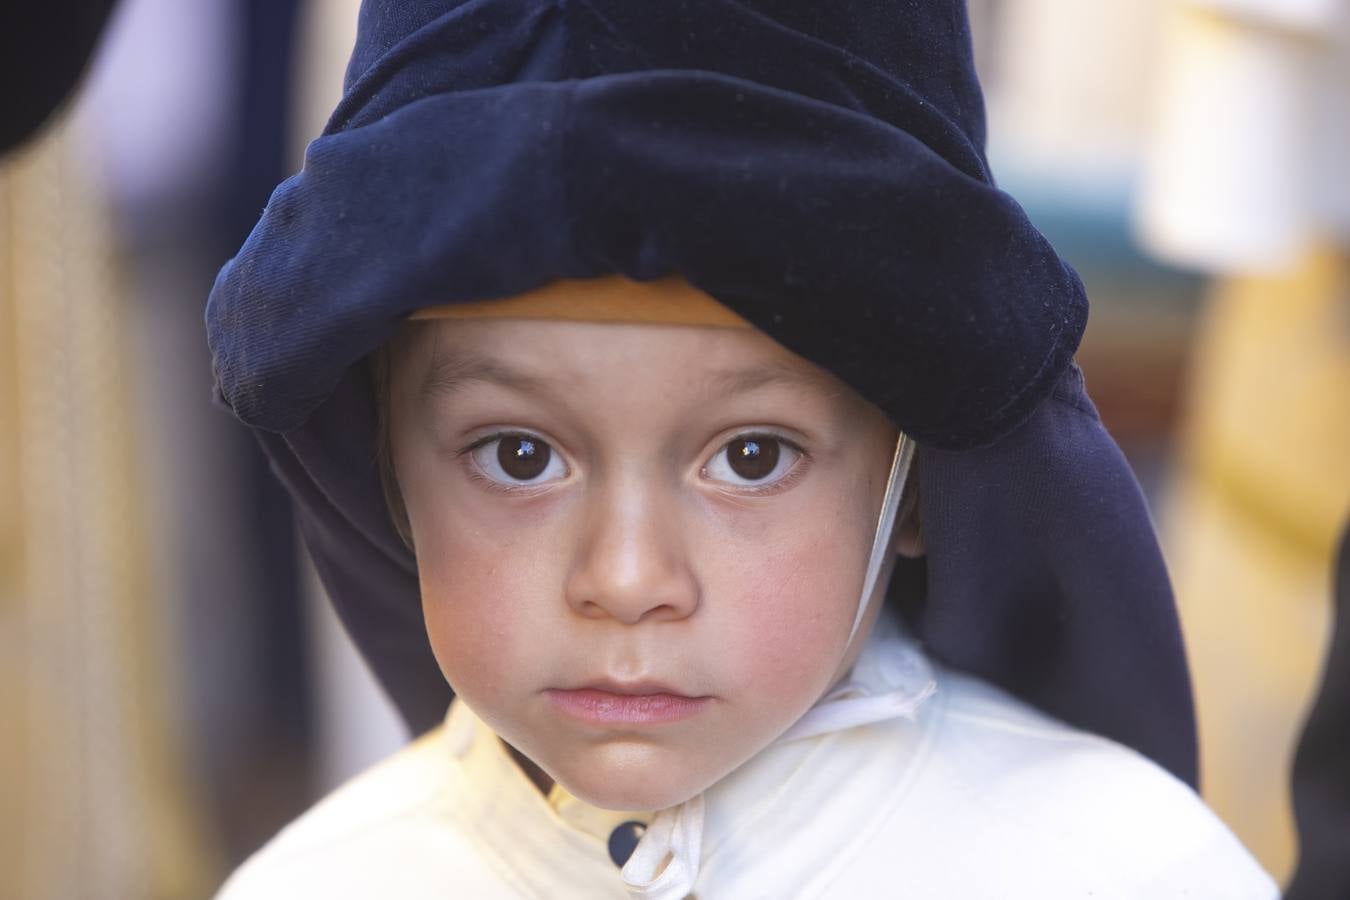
x=816 y=167
x=819 y=169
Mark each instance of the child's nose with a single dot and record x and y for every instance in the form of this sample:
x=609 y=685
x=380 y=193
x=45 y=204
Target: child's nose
x=631 y=565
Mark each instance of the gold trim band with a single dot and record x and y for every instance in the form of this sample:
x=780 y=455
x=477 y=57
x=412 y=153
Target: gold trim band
x=610 y=298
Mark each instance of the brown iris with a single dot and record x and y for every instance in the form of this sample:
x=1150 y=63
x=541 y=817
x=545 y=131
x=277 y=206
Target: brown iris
x=753 y=458
x=522 y=458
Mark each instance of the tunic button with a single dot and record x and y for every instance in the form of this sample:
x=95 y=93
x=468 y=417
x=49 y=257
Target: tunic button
x=623 y=840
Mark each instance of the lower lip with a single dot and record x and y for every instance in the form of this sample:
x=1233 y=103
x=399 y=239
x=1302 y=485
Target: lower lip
x=604 y=708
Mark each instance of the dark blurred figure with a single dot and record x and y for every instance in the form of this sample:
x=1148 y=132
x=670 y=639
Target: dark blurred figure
x=44 y=49
x=1321 y=773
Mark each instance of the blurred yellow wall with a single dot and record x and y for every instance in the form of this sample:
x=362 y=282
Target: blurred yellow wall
x=1262 y=494
x=94 y=802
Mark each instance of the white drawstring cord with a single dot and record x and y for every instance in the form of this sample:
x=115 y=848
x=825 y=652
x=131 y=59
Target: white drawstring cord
x=675 y=834
x=881 y=538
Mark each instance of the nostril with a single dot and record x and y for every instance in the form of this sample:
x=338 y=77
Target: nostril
x=655 y=604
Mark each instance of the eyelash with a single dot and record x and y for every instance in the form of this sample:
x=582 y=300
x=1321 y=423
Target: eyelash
x=790 y=478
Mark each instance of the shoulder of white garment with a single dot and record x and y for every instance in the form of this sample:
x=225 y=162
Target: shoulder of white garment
x=980 y=795
x=1010 y=802
x=347 y=844
x=450 y=816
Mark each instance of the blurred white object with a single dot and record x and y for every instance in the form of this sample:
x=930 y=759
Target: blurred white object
x=1247 y=162
x=1068 y=87
x=357 y=724
x=1299 y=15
x=159 y=96
x=327 y=33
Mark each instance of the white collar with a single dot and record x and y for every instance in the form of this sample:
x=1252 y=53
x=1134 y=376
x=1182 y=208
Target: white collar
x=891 y=679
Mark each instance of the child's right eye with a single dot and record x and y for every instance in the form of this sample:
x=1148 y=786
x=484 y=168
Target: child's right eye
x=516 y=460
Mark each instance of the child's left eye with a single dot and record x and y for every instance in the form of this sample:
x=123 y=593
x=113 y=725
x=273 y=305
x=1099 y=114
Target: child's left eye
x=753 y=460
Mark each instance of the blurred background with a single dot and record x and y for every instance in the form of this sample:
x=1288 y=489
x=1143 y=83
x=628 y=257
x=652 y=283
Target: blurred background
x=173 y=685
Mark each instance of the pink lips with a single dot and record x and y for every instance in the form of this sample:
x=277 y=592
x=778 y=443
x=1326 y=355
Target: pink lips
x=606 y=703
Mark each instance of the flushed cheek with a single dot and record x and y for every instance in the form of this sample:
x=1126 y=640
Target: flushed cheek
x=482 y=622
x=787 y=632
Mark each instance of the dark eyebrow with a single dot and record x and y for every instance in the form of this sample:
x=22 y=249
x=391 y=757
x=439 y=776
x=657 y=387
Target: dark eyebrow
x=446 y=375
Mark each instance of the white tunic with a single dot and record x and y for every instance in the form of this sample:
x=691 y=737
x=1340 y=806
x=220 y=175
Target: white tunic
x=975 y=795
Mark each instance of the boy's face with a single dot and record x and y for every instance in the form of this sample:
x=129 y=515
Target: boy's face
x=640 y=546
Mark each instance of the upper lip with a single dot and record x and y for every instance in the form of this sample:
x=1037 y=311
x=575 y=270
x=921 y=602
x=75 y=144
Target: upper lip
x=631 y=688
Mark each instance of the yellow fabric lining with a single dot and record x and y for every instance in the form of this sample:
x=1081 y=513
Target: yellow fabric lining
x=610 y=298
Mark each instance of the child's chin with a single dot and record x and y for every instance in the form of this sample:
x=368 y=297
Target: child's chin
x=633 y=788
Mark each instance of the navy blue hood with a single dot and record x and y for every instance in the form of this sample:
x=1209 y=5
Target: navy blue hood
x=816 y=167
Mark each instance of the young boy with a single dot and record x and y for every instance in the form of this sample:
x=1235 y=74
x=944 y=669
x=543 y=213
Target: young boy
x=680 y=277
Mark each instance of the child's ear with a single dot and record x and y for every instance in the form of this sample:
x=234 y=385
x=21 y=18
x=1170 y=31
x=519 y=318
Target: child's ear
x=908 y=532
